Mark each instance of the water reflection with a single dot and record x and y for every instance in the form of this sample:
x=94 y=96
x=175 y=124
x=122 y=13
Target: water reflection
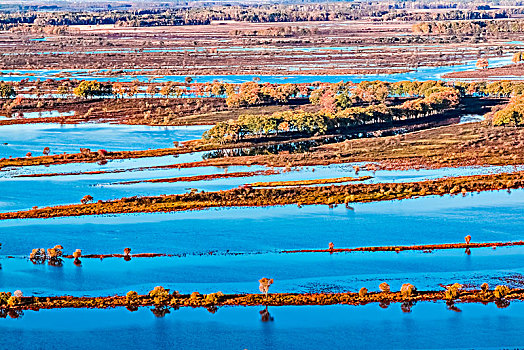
x=302 y=326
x=132 y=308
x=384 y=304
x=502 y=303
x=265 y=315
x=407 y=305
x=55 y=262
x=212 y=309
x=452 y=307
x=13 y=313
x=160 y=311
x=293 y=147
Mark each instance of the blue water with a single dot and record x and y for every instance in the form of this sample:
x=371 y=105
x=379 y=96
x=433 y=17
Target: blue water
x=259 y=232
x=338 y=272
x=18 y=192
x=487 y=217
x=69 y=138
x=427 y=326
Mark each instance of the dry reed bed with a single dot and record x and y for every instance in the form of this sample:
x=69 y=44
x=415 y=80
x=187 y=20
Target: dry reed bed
x=277 y=299
x=205 y=177
x=90 y=157
x=309 y=182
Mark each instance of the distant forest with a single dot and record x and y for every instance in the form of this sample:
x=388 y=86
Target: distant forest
x=137 y=14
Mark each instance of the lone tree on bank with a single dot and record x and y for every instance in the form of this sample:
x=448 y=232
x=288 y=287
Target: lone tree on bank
x=482 y=63
x=264 y=285
x=86 y=199
x=518 y=57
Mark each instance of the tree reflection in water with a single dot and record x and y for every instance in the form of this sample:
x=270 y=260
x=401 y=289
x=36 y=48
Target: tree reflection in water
x=13 y=313
x=451 y=306
x=294 y=147
x=407 y=305
x=160 y=311
x=265 y=315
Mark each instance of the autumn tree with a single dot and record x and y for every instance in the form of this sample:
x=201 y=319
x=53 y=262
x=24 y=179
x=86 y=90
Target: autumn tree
x=119 y=90
x=264 y=285
x=518 y=57
x=7 y=91
x=512 y=114
x=152 y=90
x=64 y=89
x=218 y=88
x=77 y=254
x=89 y=89
x=86 y=199
x=482 y=63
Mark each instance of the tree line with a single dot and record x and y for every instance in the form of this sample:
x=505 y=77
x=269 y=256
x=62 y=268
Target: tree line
x=323 y=121
x=329 y=96
x=265 y=13
x=469 y=27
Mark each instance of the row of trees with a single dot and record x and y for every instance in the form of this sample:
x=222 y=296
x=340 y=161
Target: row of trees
x=311 y=123
x=346 y=94
x=451 y=15
x=237 y=95
x=469 y=27
x=501 y=88
x=287 y=31
x=253 y=93
x=339 y=96
x=329 y=96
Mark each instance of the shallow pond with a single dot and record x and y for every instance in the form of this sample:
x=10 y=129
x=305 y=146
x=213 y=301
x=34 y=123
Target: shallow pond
x=471 y=118
x=427 y=326
x=17 y=140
